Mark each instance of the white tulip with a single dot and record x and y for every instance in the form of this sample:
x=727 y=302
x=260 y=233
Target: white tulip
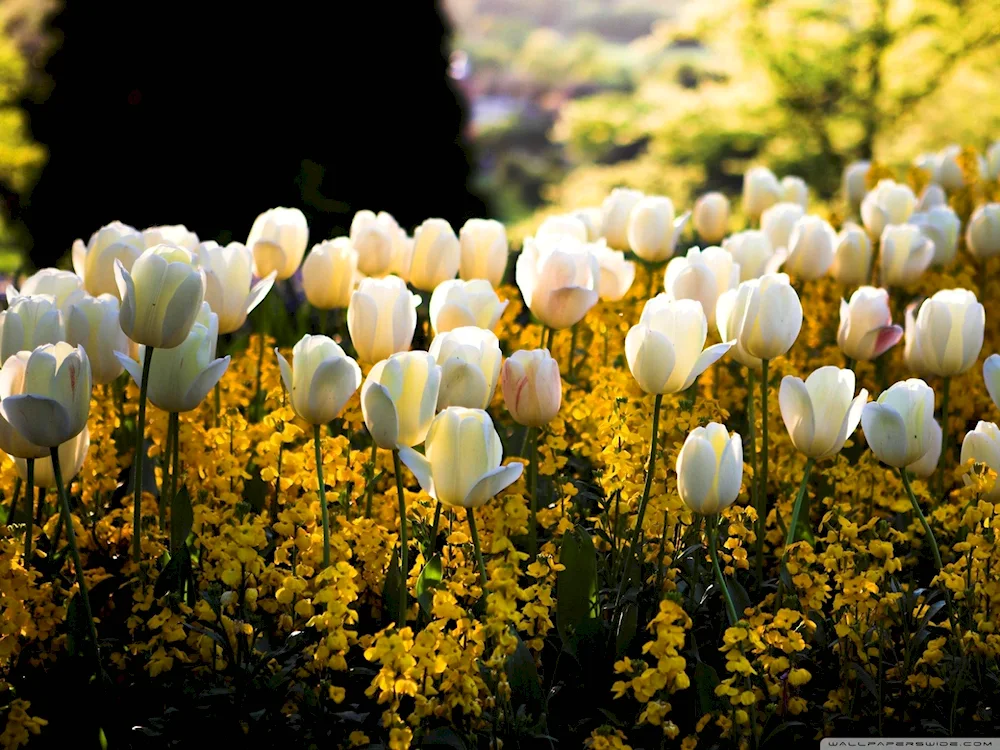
x=856 y=182
x=899 y=425
x=559 y=279
x=436 y=254
x=95 y=261
x=456 y=303
x=320 y=380
x=278 y=240
x=761 y=190
x=982 y=445
x=93 y=324
x=229 y=288
x=330 y=273
x=617 y=274
x=948 y=334
x=795 y=190
x=889 y=203
x=770 y=316
x=652 y=229
x=170 y=234
x=852 y=257
x=483 y=249
x=866 y=330
x=615 y=216
x=932 y=195
x=72 y=455
x=778 y=221
x=982 y=236
x=992 y=171
x=991 y=376
x=65 y=287
x=702 y=275
x=28 y=323
x=754 y=253
x=927 y=464
x=947 y=172
x=822 y=412
x=904 y=254
x=569 y=224
x=532 y=388
x=711 y=217
x=470 y=360
x=811 y=248
x=382 y=318
x=373 y=238
x=710 y=469
x=941 y=226
x=399 y=397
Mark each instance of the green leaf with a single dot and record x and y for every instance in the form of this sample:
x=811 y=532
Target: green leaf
x=705 y=681
x=576 y=584
x=181 y=519
x=866 y=679
x=175 y=573
x=741 y=600
x=427 y=581
x=390 y=589
x=525 y=686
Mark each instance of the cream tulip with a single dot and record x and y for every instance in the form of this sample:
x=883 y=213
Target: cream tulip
x=320 y=380
x=898 y=426
x=754 y=253
x=991 y=376
x=856 y=183
x=210 y=320
x=65 y=287
x=616 y=275
x=559 y=279
x=904 y=254
x=382 y=318
x=483 y=251
x=161 y=297
x=761 y=190
x=28 y=323
x=948 y=334
x=889 y=203
x=329 y=274
x=436 y=255
x=278 y=240
x=456 y=303
x=947 y=171
x=402 y=253
x=866 y=330
x=664 y=350
x=852 y=257
x=399 y=397
x=532 y=388
x=927 y=464
x=778 y=221
x=569 y=224
x=72 y=455
x=616 y=222
x=469 y=358
x=811 y=248
x=45 y=393
x=652 y=231
x=941 y=226
x=932 y=195
x=95 y=261
x=93 y=324
x=822 y=412
x=727 y=322
x=711 y=217
x=229 y=287
x=770 y=316
x=170 y=234
x=374 y=238
x=592 y=219
x=982 y=236
x=795 y=190
x=982 y=445
x=710 y=469
x=992 y=171
x=702 y=275
x=461 y=463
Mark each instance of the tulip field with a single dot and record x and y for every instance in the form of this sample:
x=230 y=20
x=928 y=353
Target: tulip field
x=653 y=478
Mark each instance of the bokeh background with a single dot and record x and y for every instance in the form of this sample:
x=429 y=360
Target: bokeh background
x=208 y=113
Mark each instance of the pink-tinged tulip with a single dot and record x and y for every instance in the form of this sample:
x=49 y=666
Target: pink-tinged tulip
x=532 y=388
x=559 y=279
x=866 y=330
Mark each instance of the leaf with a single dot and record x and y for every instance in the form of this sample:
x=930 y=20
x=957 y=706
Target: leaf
x=181 y=519
x=255 y=491
x=780 y=730
x=705 y=681
x=443 y=737
x=866 y=679
x=175 y=574
x=741 y=600
x=427 y=581
x=628 y=623
x=390 y=590
x=525 y=686
x=576 y=584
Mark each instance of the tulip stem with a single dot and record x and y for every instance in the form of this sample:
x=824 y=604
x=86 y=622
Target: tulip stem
x=572 y=351
x=635 y=540
x=712 y=525
x=761 y=499
x=67 y=515
x=218 y=403
x=945 y=434
x=257 y=408
x=29 y=494
x=533 y=490
x=168 y=472
x=318 y=440
x=432 y=544
x=175 y=455
x=14 y=498
x=876 y=250
x=370 y=490
x=140 y=430
x=752 y=437
x=797 y=508
x=404 y=567
x=471 y=515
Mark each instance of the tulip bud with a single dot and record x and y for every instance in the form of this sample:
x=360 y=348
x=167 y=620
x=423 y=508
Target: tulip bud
x=278 y=240
x=373 y=240
x=770 y=315
x=558 y=278
x=402 y=254
x=856 y=182
x=710 y=469
x=761 y=190
x=932 y=195
x=329 y=274
x=889 y=203
x=382 y=318
x=456 y=303
x=460 y=466
x=947 y=172
x=28 y=323
x=811 y=248
x=983 y=233
x=948 y=334
x=795 y=190
x=470 y=366
x=93 y=324
x=753 y=251
x=532 y=388
x=72 y=454
x=821 y=413
x=664 y=350
x=991 y=376
x=616 y=274
x=941 y=226
x=161 y=297
x=616 y=220
x=65 y=288
x=866 y=330
x=45 y=393
x=320 y=380
x=436 y=254
x=702 y=275
x=711 y=217
x=170 y=234
x=778 y=221
x=399 y=397
x=728 y=320
x=591 y=218
x=982 y=445
x=904 y=254
x=898 y=426
x=228 y=276
x=652 y=229
x=852 y=257
x=569 y=224
x=927 y=464
x=95 y=261
x=483 y=249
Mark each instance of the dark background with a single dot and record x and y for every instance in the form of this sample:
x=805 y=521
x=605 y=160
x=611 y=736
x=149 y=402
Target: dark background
x=207 y=113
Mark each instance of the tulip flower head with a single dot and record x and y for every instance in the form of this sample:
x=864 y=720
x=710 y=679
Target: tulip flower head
x=702 y=275
x=532 y=387
x=898 y=426
x=95 y=261
x=941 y=226
x=470 y=366
x=753 y=251
x=811 y=248
x=330 y=273
x=278 y=240
x=982 y=445
x=822 y=412
x=170 y=234
x=399 y=397
x=436 y=255
x=933 y=195
x=558 y=278
x=28 y=323
x=982 y=236
x=382 y=317
x=72 y=455
x=856 y=182
x=866 y=330
x=852 y=256
x=93 y=324
x=889 y=203
x=905 y=253
x=711 y=217
x=229 y=287
x=652 y=230
x=320 y=380
x=456 y=303
x=948 y=333
x=483 y=251
x=761 y=190
x=65 y=288
x=991 y=376
x=569 y=224
x=710 y=469
x=794 y=190
x=769 y=315
x=616 y=275
x=373 y=238
x=778 y=221
x=616 y=213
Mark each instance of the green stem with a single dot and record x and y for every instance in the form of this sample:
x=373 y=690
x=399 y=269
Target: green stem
x=71 y=539
x=432 y=546
x=317 y=440
x=257 y=409
x=533 y=490
x=945 y=435
x=873 y=269
x=572 y=351
x=218 y=403
x=370 y=490
x=29 y=494
x=471 y=515
x=797 y=509
x=14 y=498
x=167 y=482
x=635 y=539
x=140 y=429
x=175 y=471
x=923 y=519
x=324 y=322
x=404 y=567
x=761 y=506
x=545 y=335
x=696 y=573
x=713 y=531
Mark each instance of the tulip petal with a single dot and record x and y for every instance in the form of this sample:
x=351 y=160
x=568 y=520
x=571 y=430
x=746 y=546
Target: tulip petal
x=696 y=475
x=79 y=255
x=206 y=381
x=380 y=415
x=886 y=338
x=973 y=328
x=650 y=357
x=885 y=432
x=182 y=310
x=492 y=484
x=705 y=360
x=132 y=367
x=849 y=424
x=259 y=291
x=727 y=486
x=333 y=383
x=991 y=376
x=126 y=291
x=796 y=409
x=39 y=419
x=286 y=371
x=420 y=466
